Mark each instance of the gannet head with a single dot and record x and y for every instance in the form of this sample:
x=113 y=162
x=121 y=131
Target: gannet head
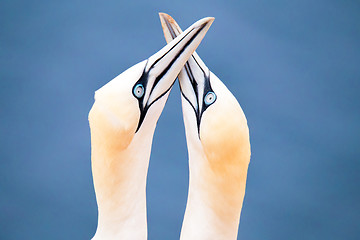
x=133 y=101
x=215 y=123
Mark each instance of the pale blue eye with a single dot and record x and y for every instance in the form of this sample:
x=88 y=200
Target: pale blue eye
x=210 y=97
x=139 y=90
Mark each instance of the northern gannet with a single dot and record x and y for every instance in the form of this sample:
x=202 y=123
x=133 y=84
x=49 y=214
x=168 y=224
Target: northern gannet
x=122 y=123
x=218 y=144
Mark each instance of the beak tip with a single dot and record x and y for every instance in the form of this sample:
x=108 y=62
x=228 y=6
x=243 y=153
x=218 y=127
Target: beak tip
x=209 y=20
x=204 y=21
x=165 y=16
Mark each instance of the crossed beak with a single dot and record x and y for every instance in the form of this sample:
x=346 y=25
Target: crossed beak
x=194 y=78
x=163 y=67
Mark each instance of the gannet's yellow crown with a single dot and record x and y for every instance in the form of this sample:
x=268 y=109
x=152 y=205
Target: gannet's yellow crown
x=218 y=143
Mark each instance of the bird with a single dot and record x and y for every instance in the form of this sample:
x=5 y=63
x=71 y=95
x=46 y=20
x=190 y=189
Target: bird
x=218 y=143
x=122 y=123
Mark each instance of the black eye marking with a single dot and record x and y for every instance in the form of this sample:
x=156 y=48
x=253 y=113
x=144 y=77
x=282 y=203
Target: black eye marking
x=208 y=97
x=143 y=81
x=138 y=91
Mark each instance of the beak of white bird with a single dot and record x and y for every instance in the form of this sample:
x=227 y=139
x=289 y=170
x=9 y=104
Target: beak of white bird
x=194 y=79
x=163 y=67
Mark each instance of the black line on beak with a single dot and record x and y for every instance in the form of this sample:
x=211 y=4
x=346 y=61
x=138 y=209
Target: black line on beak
x=144 y=77
x=199 y=112
x=177 y=56
x=172 y=32
x=169 y=50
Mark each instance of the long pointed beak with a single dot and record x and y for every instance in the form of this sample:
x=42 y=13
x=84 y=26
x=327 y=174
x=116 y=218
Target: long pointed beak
x=163 y=67
x=194 y=78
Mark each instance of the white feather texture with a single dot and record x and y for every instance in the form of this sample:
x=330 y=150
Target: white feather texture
x=122 y=123
x=218 y=144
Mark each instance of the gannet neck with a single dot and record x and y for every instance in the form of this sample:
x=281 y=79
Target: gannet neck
x=120 y=186
x=119 y=168
x=214 y=203
x=218 y=163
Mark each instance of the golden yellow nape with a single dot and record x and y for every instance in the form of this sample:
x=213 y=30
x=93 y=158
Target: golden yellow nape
x=218 y=162
x=122 y=123
x=218 y=144
x=114 y=116
x=224 y=136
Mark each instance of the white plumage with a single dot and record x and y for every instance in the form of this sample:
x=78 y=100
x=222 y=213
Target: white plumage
x=218 y=144
x=122 y=122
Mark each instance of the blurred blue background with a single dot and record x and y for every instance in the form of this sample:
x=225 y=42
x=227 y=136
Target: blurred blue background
x=294 y=66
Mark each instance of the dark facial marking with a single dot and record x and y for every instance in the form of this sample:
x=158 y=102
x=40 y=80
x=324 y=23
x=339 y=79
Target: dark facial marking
x=199 y=112
x=145 y=78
